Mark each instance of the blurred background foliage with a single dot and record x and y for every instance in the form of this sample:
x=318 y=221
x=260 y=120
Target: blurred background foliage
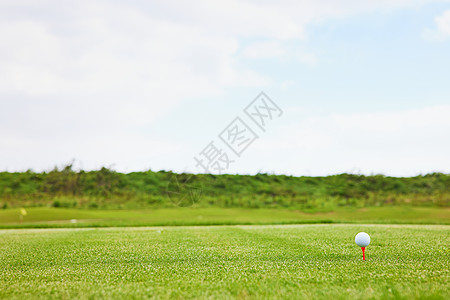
x=107 y=189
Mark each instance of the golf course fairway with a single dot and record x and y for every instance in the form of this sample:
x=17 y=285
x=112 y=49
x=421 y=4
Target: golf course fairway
x=319 y=261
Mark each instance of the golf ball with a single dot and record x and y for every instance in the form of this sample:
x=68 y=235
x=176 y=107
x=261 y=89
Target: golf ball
x=362 y=239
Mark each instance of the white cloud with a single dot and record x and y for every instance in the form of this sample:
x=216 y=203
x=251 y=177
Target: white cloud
x=401 y=143
x=267 y=49
x=76 y=74
x=277 y=50
x=105 y=47
x=117 y=57
x=443 y=23
x=442 y=30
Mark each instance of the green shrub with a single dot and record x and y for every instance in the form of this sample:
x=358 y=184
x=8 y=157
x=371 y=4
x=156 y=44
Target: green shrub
x=106 y=188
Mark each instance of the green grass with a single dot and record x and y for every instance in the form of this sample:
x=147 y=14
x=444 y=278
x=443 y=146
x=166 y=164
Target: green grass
x=60 y=217
x=255 y=262
x=107 y=189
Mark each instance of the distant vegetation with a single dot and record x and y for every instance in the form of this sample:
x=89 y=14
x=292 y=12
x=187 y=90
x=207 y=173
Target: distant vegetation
x=112 y=190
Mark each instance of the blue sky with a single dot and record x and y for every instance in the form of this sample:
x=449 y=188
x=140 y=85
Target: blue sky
x=138 y=85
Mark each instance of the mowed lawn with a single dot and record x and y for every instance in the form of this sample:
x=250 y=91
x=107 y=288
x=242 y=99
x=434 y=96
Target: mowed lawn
x=255 y=262
x=44 y=217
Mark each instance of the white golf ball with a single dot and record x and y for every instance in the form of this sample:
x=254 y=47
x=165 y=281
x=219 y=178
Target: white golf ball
x=362 y=239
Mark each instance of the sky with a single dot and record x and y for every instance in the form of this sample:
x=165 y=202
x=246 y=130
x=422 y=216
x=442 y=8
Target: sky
x=357 y=87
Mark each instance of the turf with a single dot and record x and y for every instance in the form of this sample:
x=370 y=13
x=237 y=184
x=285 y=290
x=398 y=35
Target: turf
x=255 y=262
x=61 y=217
